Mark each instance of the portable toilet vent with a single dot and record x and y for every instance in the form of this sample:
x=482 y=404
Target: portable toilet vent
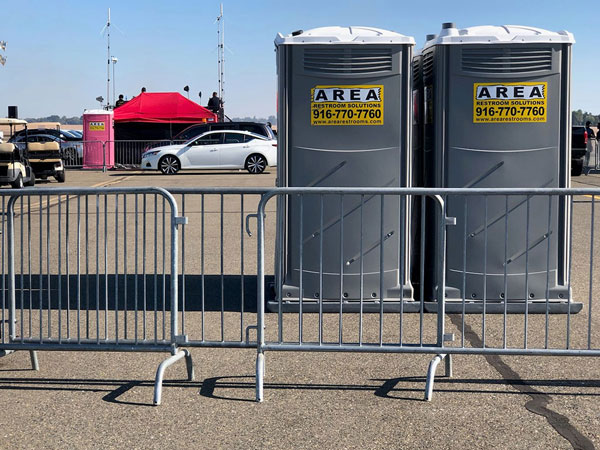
x=343 y=121
x=496 y=114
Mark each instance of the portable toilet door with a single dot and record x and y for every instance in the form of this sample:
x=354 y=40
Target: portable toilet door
x=343 y=121
x=496 y=105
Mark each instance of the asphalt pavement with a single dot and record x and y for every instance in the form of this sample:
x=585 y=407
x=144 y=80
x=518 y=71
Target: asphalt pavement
x=327 y=400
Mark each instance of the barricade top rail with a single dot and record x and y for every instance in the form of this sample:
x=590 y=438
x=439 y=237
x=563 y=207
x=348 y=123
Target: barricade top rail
x=219 y=190
x=429 y=191
x=29 y=192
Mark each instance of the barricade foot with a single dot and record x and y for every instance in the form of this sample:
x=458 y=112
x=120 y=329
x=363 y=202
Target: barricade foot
x=189 y=365
x=161 y=372
x=448 y=360
x=260 y=375
x=35 y=365
x=431 y=374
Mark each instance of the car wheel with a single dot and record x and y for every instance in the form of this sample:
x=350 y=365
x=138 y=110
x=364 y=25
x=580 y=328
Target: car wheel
x=169 y=165
x=256 y=164
x=18 y=183
x=60 y=176
x=576 y=167
x=31 y=181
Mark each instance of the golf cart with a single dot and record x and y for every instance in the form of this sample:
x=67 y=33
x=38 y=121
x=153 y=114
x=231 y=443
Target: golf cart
x=43 y=150
x=46 y=160
x=14 y=164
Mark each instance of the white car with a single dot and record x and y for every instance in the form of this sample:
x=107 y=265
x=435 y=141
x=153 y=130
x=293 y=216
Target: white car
x=214 y=150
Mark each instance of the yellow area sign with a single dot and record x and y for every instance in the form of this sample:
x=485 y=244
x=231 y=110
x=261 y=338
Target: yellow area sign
x=346 y=105
x=510 y=102
x=96 y=126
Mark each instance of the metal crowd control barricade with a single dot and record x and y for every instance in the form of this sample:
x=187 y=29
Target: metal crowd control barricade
x=128 y=153
x=539 y=325
x=217 y=281
x=93 y=270
x=350 y=327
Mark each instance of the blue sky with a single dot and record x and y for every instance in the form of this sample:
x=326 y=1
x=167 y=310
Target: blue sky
x=56 y=56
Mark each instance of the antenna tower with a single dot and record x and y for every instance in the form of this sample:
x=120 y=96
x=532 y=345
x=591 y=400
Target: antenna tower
x=221 y=59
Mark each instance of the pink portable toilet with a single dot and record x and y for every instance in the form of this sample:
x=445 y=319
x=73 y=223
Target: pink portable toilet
x=98 y=130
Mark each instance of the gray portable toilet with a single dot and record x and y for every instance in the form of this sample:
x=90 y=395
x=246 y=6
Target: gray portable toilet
x=343 y=121
x=496 y=114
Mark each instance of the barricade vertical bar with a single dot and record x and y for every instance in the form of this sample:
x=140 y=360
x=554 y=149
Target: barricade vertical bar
x=362 y=272
x=548 y=233
x=202 y=266
x=29 y=264
x=97 y=268
x=22 y=274
x=320 y=294
x=242 y=296
x=174 y=284
x=422 y=272
x=505 y=293
x=104 y=157
x=260 y=296
x=183 y=267
x=403 y=268
x=135 y=278
x=59 y=270
x=485 y=249
x=49 y=299
x=569 y=288
x=41 y=290
x=125 y=242
x=164 y=270
x=12 y=333
x=78 y=267
x=5 y=242
x=68 y=218
x=222 y=268
x=526 y=275
x=341 y=320
x=441 y=292
x=87 y=268
x=301 y=266
x=105 y=267
x=381 y=265
x=144 y=280
x=464 y=274
x=116 y=278
x=155 y=270
x=589 y=337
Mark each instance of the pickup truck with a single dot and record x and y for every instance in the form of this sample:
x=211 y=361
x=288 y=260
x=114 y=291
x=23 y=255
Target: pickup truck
x=579 y=139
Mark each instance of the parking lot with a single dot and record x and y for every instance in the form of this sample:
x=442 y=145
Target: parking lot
x=92 y=400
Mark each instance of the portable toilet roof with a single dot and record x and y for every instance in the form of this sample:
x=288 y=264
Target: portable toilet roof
x=343 y=35
x=502 y=34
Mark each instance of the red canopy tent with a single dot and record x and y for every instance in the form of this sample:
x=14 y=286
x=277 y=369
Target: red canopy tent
x=162 y=107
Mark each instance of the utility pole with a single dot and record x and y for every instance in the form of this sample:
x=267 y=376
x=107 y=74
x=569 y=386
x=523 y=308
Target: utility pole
x=221 y=61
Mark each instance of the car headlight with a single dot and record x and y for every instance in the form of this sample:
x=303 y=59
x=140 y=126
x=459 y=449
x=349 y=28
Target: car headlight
x=151 y=153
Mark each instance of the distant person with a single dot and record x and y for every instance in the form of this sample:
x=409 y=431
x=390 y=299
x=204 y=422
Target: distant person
x=120 y=102
x=214 y=103
x=589 y=130
x=143 y=90
x=590 y=149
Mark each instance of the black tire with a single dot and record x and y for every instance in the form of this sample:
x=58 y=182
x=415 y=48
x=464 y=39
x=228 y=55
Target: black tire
x=576 y=167
x=31 y=181
x=18 y=183
x=60 y=176
x=256 y=164
x=169 y=165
